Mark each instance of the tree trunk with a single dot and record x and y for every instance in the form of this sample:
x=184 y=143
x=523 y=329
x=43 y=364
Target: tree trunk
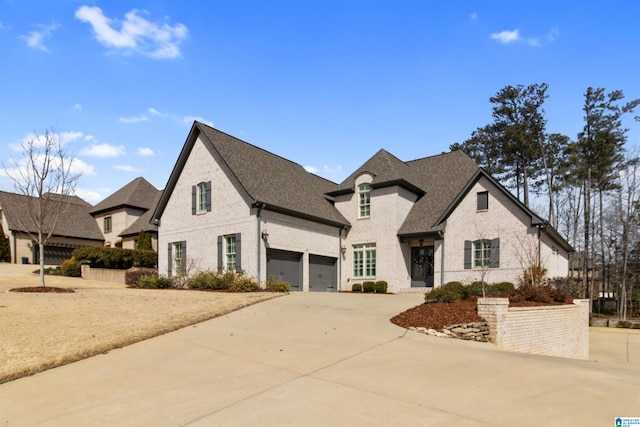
x=41 y=247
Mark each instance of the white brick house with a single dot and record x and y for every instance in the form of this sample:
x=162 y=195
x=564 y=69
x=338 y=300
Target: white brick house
x=229 y=204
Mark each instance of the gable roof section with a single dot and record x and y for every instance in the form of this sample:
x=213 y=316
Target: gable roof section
x=387 y=170
x=270 y=180
x=144 y=222
x=443 y=177
x=138 y=194
x=77 y=223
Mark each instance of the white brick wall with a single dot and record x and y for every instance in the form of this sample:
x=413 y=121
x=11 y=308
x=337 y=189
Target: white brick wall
x=561 y=330
x=231 y=213
x=389 y=208
x=502 y=220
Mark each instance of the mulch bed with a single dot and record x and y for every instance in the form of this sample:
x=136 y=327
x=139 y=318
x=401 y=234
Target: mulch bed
x=437 y=315
x=43 y=289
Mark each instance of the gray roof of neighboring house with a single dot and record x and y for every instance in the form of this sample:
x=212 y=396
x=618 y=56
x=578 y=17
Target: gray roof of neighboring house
x=139 y=194
x=144 y=221
x=280 y=184
x=77 y=221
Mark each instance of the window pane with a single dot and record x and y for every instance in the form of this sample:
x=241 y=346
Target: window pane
x=231 y=252
x=364 y=200
x=483 y=200
x=202 y=197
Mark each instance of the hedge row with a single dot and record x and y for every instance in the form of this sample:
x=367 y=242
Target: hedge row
x=116 y=258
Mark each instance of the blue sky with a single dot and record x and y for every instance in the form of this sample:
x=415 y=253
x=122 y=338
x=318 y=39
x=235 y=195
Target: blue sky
x=323 y=83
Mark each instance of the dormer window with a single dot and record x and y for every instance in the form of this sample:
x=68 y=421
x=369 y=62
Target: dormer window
x=364 y=201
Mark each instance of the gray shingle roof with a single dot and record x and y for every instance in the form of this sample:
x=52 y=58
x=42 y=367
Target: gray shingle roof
x=387 y=170
x=273 y=180
x=144 y=222
x=139 y=194
x=442 y=177
x=77 y=221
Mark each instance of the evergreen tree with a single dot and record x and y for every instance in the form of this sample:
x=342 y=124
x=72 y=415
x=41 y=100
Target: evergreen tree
x=144 y=240
x=5 y=254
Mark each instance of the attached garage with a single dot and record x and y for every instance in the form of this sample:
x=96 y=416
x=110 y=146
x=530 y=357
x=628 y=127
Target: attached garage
x=323 y=273
x=285 y=266
x=54 y=255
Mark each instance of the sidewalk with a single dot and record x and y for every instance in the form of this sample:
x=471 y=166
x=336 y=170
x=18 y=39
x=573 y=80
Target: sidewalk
x=311 y=359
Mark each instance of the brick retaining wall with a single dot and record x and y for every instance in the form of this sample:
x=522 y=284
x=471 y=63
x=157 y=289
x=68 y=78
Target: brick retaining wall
x=558 y=330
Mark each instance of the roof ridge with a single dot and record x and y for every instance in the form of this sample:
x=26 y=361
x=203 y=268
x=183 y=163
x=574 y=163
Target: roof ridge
x=252 y=145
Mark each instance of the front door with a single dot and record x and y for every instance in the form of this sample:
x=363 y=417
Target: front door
x=422 y=266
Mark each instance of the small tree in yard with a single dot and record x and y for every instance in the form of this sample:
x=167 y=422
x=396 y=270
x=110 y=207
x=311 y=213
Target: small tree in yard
x=44 y=174
x=5 y=255
x=144 y=240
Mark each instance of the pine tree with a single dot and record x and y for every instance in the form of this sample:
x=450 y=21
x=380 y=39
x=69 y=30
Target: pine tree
x=5 y=254
x=144 y=240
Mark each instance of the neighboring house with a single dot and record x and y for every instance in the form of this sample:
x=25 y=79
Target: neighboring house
x=77 y=229
x=122 y=215
x=231 y=205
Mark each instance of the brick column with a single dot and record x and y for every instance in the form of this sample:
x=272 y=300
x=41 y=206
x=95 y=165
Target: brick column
x=494 y=311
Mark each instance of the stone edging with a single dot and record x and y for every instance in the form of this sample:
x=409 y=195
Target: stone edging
x=476 y=331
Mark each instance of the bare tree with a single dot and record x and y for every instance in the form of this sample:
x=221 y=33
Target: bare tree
x=44 y=175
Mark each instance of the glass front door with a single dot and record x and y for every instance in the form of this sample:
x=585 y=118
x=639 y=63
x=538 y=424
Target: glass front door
x=422 y=266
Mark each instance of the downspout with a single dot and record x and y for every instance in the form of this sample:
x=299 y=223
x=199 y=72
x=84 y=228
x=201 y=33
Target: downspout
x=259 y=245
x=338 y=285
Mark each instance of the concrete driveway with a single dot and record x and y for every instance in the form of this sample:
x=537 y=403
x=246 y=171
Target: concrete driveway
x=310 y=359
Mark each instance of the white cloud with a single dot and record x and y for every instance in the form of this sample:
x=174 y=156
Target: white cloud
x=137 y=119
x=332 y=171
x=40 y=139
x=506 y=36
x=144 y=151
x=88 y=195
x=78 y=166
x=188 y=120
x=136 y=34
x=156 y=112
x=103 y=150
x=67 y=137
x=127 y=168
x=35 y=39
x=311 y=169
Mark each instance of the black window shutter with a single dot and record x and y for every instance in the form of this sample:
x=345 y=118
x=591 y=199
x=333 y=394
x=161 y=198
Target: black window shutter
x=183 y=260
x=467 y=254
x=194 y=197
x=220 y=265
x=238 y=253
x=495 y=253
x=169 y=261
x=208 y=186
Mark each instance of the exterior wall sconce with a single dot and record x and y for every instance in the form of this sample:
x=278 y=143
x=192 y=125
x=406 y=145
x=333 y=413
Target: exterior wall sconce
x=420 y=242
x=343 y=249
x=265 y=235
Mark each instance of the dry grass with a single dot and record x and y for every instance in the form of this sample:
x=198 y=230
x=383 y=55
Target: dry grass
x=40 y=331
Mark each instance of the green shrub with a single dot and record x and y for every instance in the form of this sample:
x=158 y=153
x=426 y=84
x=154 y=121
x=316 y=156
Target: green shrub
x=132 y=275
x=154 y=281
x=502 y=288
x=117 y=258
x=448 y=292
x=356 y=287
x=71 y=267
x=369 y=286
x=274 y=285
x=204 y=280
x=380 y=287
x=473 y=290
x=243 y=283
